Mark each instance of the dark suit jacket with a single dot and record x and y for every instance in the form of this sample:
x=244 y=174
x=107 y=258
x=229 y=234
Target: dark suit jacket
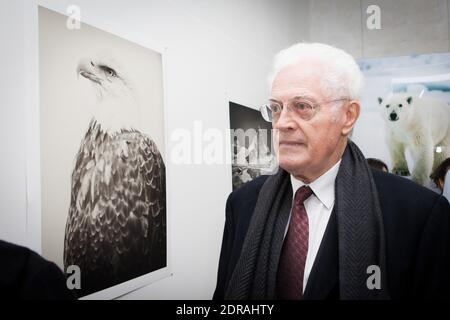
x=417 y=230
x=26 y=275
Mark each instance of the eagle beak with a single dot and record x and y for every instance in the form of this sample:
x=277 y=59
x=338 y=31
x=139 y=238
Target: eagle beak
x=88 y=70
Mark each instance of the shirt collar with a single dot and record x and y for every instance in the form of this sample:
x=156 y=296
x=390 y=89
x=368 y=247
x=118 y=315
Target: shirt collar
x=323 y=186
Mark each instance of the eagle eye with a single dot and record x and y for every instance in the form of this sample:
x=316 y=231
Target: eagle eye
x=109 y=71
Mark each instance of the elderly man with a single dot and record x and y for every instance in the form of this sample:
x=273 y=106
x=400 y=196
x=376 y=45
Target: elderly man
x=326 y=226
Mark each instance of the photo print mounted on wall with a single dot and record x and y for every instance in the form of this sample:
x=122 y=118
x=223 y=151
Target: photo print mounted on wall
x=103 y=173
x=405 y=118
x=251 y=145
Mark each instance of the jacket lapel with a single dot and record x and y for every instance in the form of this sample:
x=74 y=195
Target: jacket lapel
x=323 y=280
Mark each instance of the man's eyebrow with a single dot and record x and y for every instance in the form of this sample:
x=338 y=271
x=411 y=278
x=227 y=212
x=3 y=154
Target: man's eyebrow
x=303 y=96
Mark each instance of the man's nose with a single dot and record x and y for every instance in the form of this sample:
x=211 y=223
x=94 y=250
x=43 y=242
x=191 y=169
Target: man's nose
x=285 y=120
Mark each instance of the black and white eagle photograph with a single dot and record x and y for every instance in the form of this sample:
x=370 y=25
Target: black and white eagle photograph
x=103 y=168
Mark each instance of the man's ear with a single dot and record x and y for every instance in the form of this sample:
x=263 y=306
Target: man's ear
x=441 y=184
x=351 y=115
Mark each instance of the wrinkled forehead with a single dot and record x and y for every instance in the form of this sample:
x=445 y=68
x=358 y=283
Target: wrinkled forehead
x=300 y=79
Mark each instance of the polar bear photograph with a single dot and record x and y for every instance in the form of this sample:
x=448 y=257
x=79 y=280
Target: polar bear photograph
x=417 y=124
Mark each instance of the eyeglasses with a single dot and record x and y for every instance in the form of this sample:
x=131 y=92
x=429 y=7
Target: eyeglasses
x=303 y=108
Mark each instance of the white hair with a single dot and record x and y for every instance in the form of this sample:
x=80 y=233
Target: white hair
x=342 y=76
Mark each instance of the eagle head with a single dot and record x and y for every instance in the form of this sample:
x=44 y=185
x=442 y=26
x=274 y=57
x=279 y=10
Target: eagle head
x=117 y=106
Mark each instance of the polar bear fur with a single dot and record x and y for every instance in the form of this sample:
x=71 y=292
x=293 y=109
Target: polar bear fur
x=418 y=124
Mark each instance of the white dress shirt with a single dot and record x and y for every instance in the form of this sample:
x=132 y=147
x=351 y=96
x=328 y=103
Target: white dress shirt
x=318 y=207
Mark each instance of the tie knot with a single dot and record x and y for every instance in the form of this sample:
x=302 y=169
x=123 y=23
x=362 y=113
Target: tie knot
x=302 y=194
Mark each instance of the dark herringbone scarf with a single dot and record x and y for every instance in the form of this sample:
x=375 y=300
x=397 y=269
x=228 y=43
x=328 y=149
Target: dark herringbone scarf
x=360 y=234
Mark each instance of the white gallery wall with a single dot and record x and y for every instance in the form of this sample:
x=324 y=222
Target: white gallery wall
x=216 y=51
x=407 y=26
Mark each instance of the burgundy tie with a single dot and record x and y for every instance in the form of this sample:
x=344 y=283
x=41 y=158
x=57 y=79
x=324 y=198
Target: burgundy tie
x=291 y=267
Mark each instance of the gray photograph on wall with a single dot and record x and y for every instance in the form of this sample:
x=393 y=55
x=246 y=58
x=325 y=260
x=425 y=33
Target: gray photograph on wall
x=251 y=145
x=103 y=175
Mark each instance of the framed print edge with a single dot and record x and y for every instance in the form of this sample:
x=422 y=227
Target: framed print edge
x=33 y=152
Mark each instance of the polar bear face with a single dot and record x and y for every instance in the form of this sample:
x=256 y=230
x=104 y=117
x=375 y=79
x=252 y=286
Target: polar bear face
x=396 y=107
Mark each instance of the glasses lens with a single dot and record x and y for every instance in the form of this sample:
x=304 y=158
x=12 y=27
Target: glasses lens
x=266 y=113
x=304 y=109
